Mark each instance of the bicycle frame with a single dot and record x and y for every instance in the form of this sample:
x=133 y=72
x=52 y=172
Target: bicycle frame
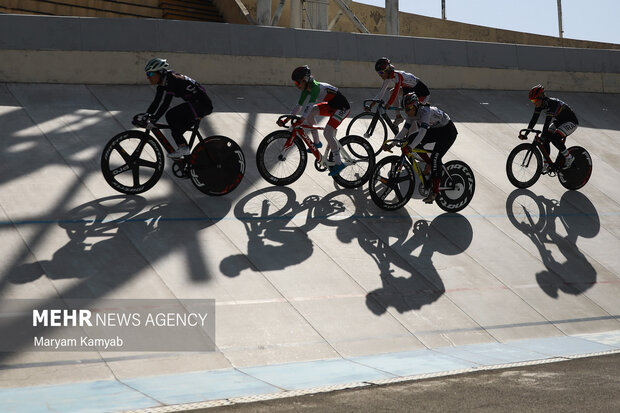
x=321 y=159
x=410 y=157
x=380 y=111
x=538 y=143
x=157 y=128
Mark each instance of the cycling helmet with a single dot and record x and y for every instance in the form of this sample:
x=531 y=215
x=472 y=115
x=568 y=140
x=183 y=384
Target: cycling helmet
x=411 y=99
x=156 y=65
x=383 y=64
x=537 y=92
x=301 y=73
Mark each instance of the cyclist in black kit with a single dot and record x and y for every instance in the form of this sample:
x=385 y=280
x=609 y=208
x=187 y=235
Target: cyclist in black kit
x=564 y=123
x=181 y=117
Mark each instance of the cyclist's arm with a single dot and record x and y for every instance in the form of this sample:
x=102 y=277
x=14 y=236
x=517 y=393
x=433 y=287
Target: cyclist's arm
x=404 y=132
x=534 y=118
x=548 y=120
x=398 y=83
x=164 y=106
x=424 y=125
x=384 y=88
x=155 y=104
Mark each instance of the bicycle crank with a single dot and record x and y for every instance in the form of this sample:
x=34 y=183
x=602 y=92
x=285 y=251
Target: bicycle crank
x=179 y=169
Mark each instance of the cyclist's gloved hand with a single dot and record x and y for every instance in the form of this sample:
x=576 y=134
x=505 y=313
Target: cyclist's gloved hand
x=141 y=120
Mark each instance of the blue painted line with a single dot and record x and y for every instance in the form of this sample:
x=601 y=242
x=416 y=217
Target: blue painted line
x=305 y=375
x=200 y=386
x=154 y=391
x=89 y=397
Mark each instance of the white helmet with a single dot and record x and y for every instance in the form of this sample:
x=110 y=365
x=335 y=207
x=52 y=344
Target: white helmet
x=156 y=65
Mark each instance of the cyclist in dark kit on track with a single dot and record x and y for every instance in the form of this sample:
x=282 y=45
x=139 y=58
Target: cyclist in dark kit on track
x=182 y=117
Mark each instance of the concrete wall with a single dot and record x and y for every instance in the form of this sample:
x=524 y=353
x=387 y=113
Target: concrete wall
x=113 y=51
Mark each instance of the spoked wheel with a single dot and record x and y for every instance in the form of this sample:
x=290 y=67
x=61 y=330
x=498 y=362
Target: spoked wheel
x=217 y=165
x=457 y=187
x=579 y=172
x=358 y=155
x=526 y=211
x=132 y=162
x=524 y=165
x=392 y=183
x=374 y=130
x=279 y=164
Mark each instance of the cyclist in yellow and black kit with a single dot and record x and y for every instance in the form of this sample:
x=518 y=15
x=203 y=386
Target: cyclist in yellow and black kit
x=564 y=123
x=181 y=117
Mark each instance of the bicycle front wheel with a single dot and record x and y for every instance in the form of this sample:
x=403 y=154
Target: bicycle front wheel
x=579 y=172
x=392 y=183
x=217 y=165
x=372 y=127
x=358 y=155
x=523 y=166
x=132 y=162
x=278 y=163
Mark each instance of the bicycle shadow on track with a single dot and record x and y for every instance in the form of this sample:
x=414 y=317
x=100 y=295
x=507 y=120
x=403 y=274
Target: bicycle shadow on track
x=277 y=226
x=537 y=217
x=100 y=234
x=446 y=234
x=111 y=241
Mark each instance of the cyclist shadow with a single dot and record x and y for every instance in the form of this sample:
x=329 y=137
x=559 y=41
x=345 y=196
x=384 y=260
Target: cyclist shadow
x=447 y=234
x=536 y=216
x=277 y=226
x=102 y=235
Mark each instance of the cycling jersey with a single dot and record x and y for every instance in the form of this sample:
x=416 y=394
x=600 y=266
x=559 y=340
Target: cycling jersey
x=177 y=85
x=425 y=118
x=556 y=111
x=320 y=92
x=405 y=81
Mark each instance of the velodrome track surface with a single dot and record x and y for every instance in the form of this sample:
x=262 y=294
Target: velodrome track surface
x=308 y=272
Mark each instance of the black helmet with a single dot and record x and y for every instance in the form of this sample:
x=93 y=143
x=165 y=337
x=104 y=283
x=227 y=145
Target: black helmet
x=383 y=64
x=301 y=73
x=411 y=99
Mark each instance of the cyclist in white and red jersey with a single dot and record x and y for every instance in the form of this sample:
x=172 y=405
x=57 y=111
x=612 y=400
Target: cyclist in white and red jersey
x=564 y=123
x=318 y=98
x=432 y=125
x=181 y=117
x=399 y=84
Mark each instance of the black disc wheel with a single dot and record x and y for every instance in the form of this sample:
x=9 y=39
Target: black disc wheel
x=579 y=172
x=217 y=165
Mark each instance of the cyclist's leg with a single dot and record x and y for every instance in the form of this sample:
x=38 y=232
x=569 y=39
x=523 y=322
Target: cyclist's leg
x=337 y=116
x=180 y=119
x=444 y=138
x=558 y=138
x=311 y=120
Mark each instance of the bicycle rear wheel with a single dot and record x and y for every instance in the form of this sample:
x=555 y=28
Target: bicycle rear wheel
x=523 y=166
x=457 y=187
x=279 y=165
x=357 y=154
x=374 y=131
x=217 y=165
x=579 y=172
x=132 y=162
x=392 y=183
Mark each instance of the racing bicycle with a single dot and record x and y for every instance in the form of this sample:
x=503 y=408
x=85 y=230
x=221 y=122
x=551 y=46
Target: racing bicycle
x=373 y=125
x=395 y=178
x=525 y=162
x=281 y=157
x=132 y=161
